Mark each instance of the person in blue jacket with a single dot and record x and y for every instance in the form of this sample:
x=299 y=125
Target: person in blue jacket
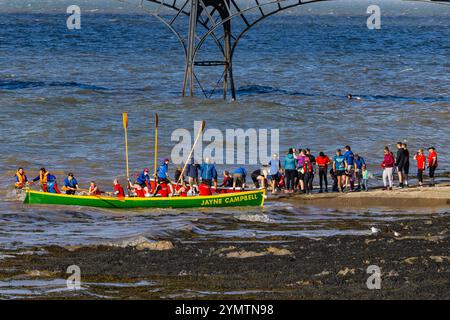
x=349 y=159
x=359 y=163
x=163 y=176
x=52 y=186
x=143 y=180
x=239 y=176
x=70 y=184
x=209 y=173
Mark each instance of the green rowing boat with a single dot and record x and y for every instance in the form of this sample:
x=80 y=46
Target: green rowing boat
x=240 y=199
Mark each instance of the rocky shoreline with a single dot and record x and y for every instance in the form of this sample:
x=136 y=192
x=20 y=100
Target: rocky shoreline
x=414 y=263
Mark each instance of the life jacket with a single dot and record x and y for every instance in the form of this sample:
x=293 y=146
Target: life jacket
x=43 y=180
x=204 y=190
x=307 y=167
x=21 y=179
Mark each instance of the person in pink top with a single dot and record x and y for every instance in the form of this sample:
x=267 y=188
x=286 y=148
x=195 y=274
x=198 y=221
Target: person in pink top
x=301 y=174
x=388 y=169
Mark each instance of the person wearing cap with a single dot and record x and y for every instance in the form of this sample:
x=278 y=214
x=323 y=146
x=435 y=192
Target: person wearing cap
x=70 y=184
x=143 y=180
x=432 y=163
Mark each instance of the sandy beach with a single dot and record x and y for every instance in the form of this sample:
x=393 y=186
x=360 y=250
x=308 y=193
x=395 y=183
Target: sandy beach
x=411 y=197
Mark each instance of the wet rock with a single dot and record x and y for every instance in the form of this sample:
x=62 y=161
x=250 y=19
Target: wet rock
x=40 y=273
x=278 y=252
x=410 y=260
x=142 y=243
x=440 y=258
x=245 y=254
x=346 y=271
x=155 y=245
x=323 y=273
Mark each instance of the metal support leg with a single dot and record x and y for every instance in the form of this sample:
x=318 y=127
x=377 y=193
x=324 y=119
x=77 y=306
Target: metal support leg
x=189 y=70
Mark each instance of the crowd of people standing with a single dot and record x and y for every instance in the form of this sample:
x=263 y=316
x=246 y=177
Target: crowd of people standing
x=348 y=170
x=294 y=173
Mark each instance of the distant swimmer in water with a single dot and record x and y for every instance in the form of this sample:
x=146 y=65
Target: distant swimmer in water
x=351 y=97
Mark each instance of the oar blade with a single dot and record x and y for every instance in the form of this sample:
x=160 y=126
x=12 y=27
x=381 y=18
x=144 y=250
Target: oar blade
x=125 y=120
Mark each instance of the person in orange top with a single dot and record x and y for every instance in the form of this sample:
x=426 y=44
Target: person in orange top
x=21 y=179
x=421 y=163
x=322 y=162
x=42 y=178
x=432 y=164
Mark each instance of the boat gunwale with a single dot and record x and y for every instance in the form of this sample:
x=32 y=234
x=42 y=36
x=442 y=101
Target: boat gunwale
x=178 y=198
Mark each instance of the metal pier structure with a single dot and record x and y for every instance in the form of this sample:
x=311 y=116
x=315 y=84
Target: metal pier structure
x=225 y=22
x=219 y=22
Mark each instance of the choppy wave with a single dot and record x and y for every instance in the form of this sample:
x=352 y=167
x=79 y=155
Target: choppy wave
x=19 y=85
x=262 y=90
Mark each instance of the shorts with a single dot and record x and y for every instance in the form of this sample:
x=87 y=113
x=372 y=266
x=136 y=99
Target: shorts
x=275 y=177
x=238 y=178
x=160 y=180
x=406 y=168
x=340 y=173
x=142 y=185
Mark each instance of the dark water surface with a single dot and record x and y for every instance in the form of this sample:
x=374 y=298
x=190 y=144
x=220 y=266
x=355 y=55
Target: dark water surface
x=62 y=94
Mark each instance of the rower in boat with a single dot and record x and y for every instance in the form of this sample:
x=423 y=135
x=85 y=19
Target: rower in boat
x=52 y=185
x=21 y=179
x=143 y=181
x=118 y=190
x=70 y=184
x=163 y=177
x=94 y=190
x=227 y=181
x=42 y=178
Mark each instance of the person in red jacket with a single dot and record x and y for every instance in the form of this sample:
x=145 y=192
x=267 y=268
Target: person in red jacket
x=432 y=164
x=388 y=169
x=421 y=164
x=322 y=163
x=118 y=190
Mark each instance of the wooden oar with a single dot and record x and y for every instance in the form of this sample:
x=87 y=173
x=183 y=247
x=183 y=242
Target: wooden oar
x=192 y=150
x=156 y=145
x=125 y=127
